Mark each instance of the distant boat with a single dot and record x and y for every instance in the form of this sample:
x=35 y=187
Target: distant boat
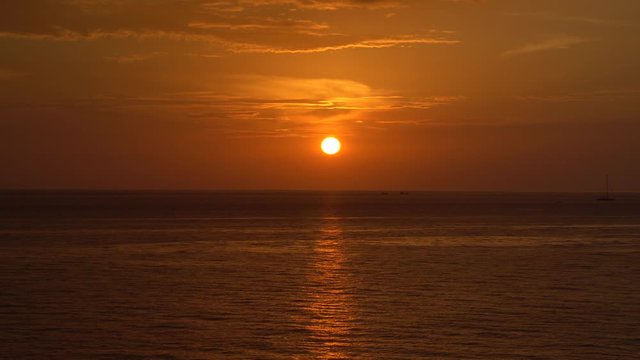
x=606 y=197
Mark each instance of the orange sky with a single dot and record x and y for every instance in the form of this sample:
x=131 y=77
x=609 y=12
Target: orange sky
x=219 y=94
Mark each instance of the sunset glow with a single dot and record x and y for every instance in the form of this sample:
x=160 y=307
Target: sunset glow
x=202 y=94
x=320 y=179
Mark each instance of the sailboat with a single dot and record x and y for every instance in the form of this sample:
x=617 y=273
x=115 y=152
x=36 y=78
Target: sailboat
x=607 y=197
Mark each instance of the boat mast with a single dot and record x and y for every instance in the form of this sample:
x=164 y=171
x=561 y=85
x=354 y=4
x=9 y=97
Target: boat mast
x=607 y=196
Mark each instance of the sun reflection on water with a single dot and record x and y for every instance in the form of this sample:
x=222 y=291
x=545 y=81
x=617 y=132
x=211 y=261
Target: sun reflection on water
x=330 y=305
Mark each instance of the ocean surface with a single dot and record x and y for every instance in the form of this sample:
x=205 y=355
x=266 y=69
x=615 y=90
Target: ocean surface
x=318 y=275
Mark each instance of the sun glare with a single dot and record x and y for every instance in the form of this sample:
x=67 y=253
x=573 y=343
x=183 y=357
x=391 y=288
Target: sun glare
x=330 y=145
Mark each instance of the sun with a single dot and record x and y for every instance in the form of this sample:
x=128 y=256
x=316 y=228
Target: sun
x=330 y=145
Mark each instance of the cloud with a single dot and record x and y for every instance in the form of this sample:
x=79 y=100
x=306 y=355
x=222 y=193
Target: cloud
x=74 y=36
x=133 y=58
x=267 y=105
x=47 y=17
x=567 y=18
x=252 y=94
x=381 y=43
x=238 y=46
x=339 y=4
x=262 y=24
x=587 y=96
x=244 y=30
x=326 y=5
x=554 y=43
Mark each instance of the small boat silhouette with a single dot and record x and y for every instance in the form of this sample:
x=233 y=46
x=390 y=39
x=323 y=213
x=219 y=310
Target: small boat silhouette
x=606 y=197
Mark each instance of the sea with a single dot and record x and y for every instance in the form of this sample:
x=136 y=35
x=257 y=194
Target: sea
x=318 y=275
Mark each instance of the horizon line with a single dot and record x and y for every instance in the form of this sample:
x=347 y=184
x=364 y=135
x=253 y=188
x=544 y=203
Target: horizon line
x=203 y=190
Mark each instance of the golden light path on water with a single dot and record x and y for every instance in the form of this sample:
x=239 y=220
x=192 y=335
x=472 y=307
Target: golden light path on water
x=330 y=307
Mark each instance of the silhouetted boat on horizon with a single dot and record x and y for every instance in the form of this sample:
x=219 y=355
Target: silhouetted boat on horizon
x=606 y=197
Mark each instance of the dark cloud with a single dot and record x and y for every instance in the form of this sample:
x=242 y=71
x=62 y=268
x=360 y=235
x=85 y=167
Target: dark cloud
x=244 y=29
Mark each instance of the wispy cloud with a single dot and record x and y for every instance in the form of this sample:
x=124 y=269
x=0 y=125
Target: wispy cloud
x=236 y=46
x=382 y=43
x=239 y=5
x=567 y=18
x=268 y=105
x=262 y=24
x=234 y=26
x=133 y=58
x=587 y=96
x=283 y=96
x=557 y=42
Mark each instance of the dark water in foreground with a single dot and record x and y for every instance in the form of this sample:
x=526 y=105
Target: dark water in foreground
x=318 y=276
